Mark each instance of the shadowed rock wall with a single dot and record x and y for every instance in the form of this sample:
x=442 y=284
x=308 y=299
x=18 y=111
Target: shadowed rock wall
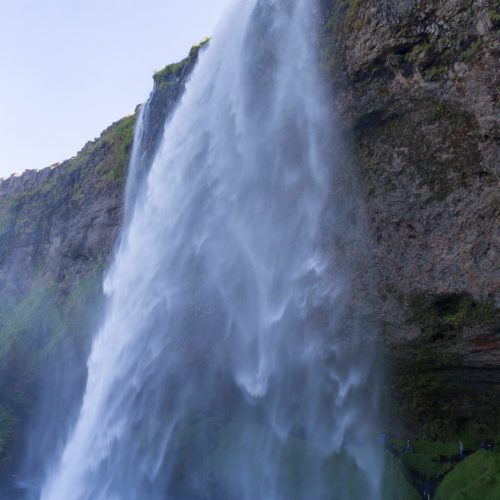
x=416 y=86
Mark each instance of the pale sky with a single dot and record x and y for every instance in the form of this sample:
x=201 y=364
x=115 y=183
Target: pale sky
x=69 y=68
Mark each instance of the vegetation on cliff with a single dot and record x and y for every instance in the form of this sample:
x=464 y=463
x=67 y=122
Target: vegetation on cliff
x=415 y=86
x=51 y=273
x=478 y=476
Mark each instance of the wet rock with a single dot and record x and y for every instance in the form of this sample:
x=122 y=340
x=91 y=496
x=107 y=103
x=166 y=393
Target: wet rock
x=416 y=86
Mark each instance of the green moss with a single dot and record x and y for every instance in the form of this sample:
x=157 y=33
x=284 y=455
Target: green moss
x=338 y=16
x=396 y=483
x=418 y=52
x=162 y=75
x=119 y=142
x=26 y=218
x=80 y=306
x=494 y=13
x=436 y=143
x=422 y=402
x=352 y=12
x=436 y=448
x=470 y=53
x=446 y=316
x=427 y=466
x=434 y=73
x=494 y=16
x=109 y=155
x=427 y=388
x=7 y=214
x=433 y=55
x=476 y=477
x=34 y=330
x=28 y=328
x=438 y=463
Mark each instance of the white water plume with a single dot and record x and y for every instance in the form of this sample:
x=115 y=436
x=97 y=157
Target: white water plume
x=230 y=364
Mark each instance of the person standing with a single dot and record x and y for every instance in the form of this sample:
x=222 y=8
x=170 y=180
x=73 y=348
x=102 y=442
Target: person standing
x=427 y=490
x=409 y=447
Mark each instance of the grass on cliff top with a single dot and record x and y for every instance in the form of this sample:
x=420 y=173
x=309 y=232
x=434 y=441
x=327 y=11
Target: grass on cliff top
x=101 y=165
x=476 y=477
x=110 y=153
x=161 y=74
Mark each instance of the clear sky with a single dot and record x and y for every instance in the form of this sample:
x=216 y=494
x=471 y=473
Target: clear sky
x=69 y=68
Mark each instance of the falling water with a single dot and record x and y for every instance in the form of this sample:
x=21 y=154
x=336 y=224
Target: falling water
x=230 y=362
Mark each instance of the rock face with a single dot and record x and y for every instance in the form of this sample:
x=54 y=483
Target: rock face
x=65 y=218
x=57 y=230
x=416 y=86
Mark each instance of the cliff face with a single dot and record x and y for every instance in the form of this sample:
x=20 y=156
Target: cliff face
x=416 y=89
x=416 y=86
x=58 y=229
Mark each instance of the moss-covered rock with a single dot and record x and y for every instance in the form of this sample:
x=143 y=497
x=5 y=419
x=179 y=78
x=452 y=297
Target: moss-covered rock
x=438 y=467
x=396 y=482
x=478 y=476
x=414 y=86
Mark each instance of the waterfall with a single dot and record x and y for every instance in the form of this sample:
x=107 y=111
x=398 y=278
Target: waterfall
x=232 y=362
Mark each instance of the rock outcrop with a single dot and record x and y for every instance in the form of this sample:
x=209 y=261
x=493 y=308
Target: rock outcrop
x=416 y=86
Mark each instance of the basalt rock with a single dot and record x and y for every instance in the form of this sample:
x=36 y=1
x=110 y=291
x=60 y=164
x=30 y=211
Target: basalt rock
x=416 y=87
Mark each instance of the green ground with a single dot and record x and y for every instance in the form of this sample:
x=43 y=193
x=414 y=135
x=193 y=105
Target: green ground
x=476 y=476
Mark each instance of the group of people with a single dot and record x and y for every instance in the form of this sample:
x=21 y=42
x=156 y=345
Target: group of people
x=485 y=445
